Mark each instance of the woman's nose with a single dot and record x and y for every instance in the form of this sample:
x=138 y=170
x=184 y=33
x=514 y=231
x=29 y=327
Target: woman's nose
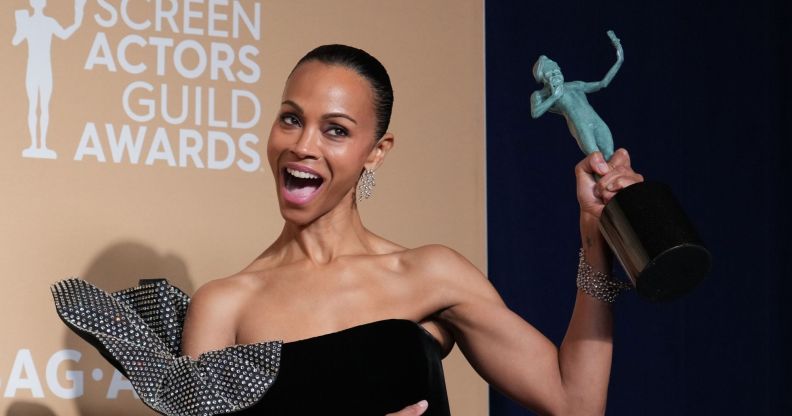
x=306 y=146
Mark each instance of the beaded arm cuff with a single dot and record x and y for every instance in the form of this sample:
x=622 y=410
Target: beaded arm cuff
x=139 y=331
x=598 y=285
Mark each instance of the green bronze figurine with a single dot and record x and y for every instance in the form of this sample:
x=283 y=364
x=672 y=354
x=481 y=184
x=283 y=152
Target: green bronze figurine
x=569 y=100
x=644 y=224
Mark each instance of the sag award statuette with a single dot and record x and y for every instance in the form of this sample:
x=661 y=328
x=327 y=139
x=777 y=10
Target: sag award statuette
x=644 y=224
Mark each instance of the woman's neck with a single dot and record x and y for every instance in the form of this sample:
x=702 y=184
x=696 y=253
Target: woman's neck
x=337 y=233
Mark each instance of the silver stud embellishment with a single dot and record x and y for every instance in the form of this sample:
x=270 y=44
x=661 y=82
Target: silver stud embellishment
x=139 y=329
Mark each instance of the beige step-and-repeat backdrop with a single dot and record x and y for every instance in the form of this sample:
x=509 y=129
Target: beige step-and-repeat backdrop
x=132 y=144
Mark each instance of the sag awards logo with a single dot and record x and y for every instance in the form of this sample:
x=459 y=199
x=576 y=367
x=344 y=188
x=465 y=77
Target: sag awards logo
x=25 y=378
x=206 y=127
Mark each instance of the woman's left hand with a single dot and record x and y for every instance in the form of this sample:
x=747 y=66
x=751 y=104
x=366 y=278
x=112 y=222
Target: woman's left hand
x=615 y=175
x=413 y=410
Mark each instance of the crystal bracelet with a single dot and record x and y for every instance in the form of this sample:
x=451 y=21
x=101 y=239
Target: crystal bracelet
x=596 y=284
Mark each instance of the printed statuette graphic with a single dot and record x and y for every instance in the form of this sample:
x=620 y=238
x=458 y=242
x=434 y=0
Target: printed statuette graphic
x=38 y=29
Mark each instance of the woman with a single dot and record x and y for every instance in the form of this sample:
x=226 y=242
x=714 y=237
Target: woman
x=365 y=321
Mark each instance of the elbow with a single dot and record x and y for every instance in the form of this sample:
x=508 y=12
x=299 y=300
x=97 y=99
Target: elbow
x=584 y=401
x=574 y=411
x=588 y=406
x=568 y=404
x=591 y=411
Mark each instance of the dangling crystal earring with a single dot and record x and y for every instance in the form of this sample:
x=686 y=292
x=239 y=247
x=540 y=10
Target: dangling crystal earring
x=365 y=188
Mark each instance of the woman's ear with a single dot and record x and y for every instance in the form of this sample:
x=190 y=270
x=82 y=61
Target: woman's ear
x=379 y=151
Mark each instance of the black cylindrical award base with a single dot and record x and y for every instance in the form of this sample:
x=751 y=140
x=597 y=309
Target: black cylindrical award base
x=654 y=241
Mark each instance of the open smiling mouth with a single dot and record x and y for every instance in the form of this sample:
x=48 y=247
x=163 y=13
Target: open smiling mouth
x=300 y=186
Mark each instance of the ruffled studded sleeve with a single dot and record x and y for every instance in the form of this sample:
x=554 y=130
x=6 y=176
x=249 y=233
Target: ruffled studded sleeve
x=139 y=331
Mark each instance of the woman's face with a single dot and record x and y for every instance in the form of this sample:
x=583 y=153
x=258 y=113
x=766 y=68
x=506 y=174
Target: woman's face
x=321 y=140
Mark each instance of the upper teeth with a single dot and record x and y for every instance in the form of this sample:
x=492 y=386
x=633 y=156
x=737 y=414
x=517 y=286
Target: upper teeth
x=301 y=174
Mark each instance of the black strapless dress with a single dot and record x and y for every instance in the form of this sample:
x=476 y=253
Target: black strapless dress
x=371 y=369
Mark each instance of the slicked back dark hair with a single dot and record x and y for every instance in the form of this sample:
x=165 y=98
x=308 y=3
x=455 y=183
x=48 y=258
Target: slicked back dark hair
x=366 y=66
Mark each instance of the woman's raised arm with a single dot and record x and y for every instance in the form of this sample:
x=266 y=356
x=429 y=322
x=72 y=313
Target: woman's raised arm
x=510 y=353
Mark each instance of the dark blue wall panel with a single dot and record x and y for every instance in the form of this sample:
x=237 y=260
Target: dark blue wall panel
x=701 y=103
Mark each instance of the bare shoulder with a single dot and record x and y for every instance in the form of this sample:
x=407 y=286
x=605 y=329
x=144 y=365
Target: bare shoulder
x=431 y=259
x=437 y=261
x=213 y=314
x=445 y=279
x=227 y=296
x=222 y=291
x=456 y=283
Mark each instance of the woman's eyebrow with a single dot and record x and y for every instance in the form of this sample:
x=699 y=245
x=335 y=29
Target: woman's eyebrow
x=299 y=110
x=293 y=104
x=342 y=115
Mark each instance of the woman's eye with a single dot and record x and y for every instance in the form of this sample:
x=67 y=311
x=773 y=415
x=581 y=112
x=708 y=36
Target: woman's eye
x=337 y=131
x=290 y=119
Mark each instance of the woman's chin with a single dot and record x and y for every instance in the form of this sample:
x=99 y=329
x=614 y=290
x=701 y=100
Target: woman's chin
x=298 y=219
x=304 y=211
x=297 y=215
